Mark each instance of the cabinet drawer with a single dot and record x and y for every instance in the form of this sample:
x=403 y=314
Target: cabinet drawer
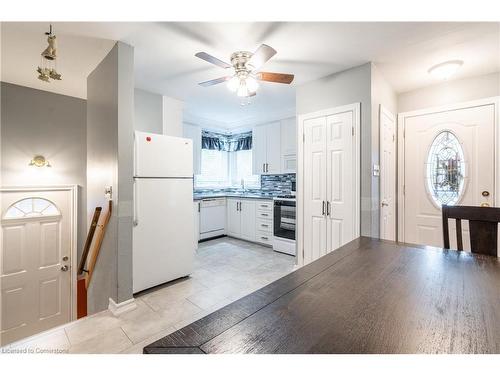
x=266 y=206
x=265 y=226
x=264 y=238
x=266 y=215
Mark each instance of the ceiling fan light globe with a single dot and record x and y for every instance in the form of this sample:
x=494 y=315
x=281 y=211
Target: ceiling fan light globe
x=252 y=84
x=233 y=84
x=242 y=90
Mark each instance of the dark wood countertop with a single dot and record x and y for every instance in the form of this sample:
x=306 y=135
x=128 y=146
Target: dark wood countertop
x=369 y=296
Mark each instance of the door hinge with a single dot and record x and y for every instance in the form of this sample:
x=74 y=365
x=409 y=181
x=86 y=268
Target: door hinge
x=393 y=137
x=352 y=131
x=404 y=189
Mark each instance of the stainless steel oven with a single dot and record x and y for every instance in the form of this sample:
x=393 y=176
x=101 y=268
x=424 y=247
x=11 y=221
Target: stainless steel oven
x=284 y=218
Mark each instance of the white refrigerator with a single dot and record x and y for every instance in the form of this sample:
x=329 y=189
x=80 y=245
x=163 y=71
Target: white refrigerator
x=163 y=248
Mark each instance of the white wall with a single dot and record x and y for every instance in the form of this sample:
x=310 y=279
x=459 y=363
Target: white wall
x=172 y=116
x=450 y=92
x=36 y=122
x=347 y=87
x=110 y=105
x=148 y=116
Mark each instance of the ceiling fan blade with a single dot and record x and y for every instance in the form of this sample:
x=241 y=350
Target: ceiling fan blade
x=275 y=77
x=214 y=81
x=213 y=60
x=260 y=57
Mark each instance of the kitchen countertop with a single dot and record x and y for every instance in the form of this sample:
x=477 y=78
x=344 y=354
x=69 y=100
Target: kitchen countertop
x=201 y=196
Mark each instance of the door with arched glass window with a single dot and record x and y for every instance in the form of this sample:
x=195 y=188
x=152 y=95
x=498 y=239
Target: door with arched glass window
x=36 y=257
x=448 y=159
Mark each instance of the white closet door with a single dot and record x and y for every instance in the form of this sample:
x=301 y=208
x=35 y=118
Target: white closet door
x=340 y=180
x=314 y=189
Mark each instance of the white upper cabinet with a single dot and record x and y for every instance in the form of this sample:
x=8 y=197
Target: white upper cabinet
x=267 y=148
x=273 y=148
x=193 y=132
x=259 y=153
x=289 y=145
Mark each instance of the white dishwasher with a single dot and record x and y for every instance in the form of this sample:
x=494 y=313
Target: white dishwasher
x=212 y=217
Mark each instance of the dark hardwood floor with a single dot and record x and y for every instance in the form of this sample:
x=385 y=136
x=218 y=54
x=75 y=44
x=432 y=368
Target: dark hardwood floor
x=370 y=296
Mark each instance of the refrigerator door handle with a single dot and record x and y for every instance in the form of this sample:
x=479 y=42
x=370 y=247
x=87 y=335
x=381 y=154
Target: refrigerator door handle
x=136 y=207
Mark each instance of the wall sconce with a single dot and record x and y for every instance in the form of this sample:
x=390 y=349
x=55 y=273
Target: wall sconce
x=39 y=161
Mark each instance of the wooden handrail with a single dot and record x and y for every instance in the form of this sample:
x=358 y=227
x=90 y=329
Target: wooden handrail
x=97 y=246
x=84 y=281
x=88 y=241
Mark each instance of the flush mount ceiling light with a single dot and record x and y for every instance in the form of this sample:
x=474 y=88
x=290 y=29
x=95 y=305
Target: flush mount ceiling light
x=48 y=61
x=446 y=69
x=39 y=161
x=243 y=73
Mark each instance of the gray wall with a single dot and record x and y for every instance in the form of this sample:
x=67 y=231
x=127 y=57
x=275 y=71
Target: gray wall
x=148 y=115
x=450 y=92
x=110 y=103
x=39 y=122
x=381 y=94
x=347 y=87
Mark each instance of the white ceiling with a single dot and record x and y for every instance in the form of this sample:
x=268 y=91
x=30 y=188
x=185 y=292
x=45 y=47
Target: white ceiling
x=165 y=62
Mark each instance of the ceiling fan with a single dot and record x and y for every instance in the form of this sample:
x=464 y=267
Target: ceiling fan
x=243 y=74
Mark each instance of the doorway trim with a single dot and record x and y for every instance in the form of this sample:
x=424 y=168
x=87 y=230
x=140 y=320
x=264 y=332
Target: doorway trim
x=73 y=191
x=356 y=109
x=383 y=111
x=495 y=101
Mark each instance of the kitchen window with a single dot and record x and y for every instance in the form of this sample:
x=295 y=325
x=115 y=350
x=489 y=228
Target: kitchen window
x=214 y=169
x=226 y=161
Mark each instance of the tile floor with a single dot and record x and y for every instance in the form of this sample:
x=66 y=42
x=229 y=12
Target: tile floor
x=225 y=270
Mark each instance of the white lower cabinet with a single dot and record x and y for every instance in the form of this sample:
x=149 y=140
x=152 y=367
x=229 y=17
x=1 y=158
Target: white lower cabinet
x=250 y=220
x=233 y=218
x=247 y=213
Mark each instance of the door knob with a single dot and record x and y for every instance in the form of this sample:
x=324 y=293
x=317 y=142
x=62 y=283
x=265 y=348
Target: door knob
x=485 y=204
x=485 y=193
x=65 y=258
x=384 y=204
x=64 y=268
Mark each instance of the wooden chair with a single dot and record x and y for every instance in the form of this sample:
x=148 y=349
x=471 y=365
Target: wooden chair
x=483 y=227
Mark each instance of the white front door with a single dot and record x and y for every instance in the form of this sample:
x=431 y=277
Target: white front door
x=448 y=159
x=387 y=175
x=35 y=262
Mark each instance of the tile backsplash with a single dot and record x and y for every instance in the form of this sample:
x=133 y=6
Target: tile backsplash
x=276 y=184
x=279 y=183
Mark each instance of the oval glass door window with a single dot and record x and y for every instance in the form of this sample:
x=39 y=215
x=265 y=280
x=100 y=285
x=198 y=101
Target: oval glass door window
x=445 y=169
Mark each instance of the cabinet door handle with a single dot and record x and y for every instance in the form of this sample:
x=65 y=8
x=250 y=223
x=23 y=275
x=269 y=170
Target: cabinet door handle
x=323 y=210
x=267 y=168
x=263 y=168
x=328 y=208
x=199 y=204
x=264 y=225
x=264 y=214
x=264 y=238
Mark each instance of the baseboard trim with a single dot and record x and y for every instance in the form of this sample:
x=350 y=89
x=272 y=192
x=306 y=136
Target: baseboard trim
x=119 y=308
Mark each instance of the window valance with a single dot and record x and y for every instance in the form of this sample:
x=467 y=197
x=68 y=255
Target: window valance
x=226 y=142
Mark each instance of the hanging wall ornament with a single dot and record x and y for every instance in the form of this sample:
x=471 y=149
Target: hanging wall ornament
x=48 y=60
